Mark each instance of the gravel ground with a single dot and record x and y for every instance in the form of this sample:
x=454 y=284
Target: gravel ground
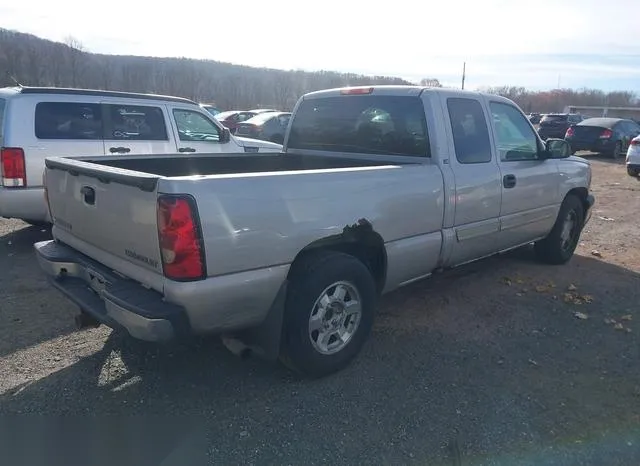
x=500 y=362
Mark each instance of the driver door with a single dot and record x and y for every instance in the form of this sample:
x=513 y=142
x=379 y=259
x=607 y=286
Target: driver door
x=195 y=132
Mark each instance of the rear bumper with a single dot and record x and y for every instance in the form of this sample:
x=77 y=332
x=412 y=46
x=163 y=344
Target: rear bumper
x=25 y=204
x=602 y=145
x=112 y=300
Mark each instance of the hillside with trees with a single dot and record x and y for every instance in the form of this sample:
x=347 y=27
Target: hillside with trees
x=33 y=61
x=38 y=62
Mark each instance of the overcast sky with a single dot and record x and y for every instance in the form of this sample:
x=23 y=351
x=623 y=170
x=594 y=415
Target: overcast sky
x=537 y=44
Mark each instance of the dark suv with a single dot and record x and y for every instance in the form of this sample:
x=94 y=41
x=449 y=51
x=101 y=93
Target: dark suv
x=555 y=125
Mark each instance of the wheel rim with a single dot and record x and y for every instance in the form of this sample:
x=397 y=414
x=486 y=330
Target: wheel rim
x=335 y=317
x=569 y=230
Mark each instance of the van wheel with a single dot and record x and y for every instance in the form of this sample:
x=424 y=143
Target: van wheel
x=632 y=171
x=558 y=247
x=329 y=313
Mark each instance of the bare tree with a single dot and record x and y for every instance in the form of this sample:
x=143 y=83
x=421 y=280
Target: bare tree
x=76 y=53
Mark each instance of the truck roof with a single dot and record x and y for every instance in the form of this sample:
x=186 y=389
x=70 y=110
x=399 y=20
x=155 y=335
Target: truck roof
x=388 y=89
x=91 y=92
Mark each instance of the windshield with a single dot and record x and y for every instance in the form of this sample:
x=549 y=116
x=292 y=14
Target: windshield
x=224 y=115
x=554 y=118
x=392 y=125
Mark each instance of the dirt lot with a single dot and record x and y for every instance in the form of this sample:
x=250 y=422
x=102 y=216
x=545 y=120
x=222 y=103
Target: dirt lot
x=501 y=362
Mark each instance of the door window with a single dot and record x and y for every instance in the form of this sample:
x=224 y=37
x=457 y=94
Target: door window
x=194 y=126
x=136 y=123
x=470 y=133
x=63 y=120
x=515 y=138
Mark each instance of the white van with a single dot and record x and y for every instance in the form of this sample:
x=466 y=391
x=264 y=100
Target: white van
x=39 y=122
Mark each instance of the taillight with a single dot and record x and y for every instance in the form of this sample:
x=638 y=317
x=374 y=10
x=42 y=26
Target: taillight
x=569 y=133
x=12 y=166
x=180 y=238
x=606 y=134
x=357 y=91
x=635 y=142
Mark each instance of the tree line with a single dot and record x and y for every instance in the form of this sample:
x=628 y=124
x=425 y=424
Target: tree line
x=33 y=61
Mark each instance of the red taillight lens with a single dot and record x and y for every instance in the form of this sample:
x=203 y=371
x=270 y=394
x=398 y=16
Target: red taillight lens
x=569 y=133
x=635 y=142
x=606 y=134
x=180 y=238
x=12 y=166
x=357 y=91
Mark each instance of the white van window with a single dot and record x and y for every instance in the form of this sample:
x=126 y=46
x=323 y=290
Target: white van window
x=193 y=126
x=63 y=120
x=135 y=123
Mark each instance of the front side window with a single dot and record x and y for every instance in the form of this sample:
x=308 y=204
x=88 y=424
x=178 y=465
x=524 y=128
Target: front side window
x=365 y=124
x=194 y=126
x=136 y=123
x=515 y=138
x=470 y=133
x=63 y=120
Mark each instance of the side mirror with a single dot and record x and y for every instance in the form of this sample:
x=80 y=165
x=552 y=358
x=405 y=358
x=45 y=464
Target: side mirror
x=225 y=136
x=557 y=148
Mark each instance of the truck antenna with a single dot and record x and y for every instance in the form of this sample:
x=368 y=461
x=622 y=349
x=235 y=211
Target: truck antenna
x=464 y=69
x=13 y=78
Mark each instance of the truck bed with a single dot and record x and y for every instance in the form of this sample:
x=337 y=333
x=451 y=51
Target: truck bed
x=221 y=164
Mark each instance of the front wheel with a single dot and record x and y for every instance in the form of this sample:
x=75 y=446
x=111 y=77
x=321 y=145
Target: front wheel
x=329 y=313
x=617 y=150
x=560 y=244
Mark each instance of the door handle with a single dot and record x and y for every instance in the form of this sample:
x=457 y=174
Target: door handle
x=88 y=195
x=186 y=149
x=509 y=181
x=119 y=150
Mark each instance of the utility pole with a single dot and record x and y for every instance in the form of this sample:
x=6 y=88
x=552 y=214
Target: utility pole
x=464 y=69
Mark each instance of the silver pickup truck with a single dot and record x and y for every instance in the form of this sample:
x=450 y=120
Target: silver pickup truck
x=288 y=253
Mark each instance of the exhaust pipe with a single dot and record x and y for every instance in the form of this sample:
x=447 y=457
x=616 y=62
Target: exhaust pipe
x=236 y=346
x=84 y=320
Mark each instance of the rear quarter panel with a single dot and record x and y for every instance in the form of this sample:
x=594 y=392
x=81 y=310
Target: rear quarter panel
x=265 y=219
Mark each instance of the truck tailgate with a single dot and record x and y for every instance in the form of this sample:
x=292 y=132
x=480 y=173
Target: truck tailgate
x=106 y=212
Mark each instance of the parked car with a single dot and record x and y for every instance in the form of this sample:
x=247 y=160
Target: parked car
x=288 y=254
x=555 y=125
x=211 y=108
x=268 y=126
x=633 y=157
x=39 y=122
x=534 y=118
x=610 y=136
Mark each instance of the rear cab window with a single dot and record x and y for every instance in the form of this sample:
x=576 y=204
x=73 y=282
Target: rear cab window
x=365 y=124
x=68 y=120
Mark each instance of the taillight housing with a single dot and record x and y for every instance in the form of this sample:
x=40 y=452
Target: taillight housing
x=569 y=133
x=180 y=238
x=12 y=167
x=606 y=134
x=635 y=142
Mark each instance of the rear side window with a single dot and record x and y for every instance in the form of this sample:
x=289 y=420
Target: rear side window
x=470 y=133
x=64 y=120
x=136 y=123
x=368 y=124
x=3 y=104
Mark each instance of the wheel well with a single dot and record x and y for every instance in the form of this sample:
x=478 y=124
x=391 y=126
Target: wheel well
x=360 y=241
x=580 y=193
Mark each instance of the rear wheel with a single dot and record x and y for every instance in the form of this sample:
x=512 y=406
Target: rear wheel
x=632 y=171
x=560 y=244
x=617 y=150
x=329 y=313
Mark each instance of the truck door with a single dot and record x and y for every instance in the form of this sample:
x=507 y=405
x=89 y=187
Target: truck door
x=477 y=179
x=530 y=185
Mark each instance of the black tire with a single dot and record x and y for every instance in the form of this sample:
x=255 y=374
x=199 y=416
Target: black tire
x=311 y=276
x=632 y=171
x=553 y=249
x=39 y=224
x=617 y=150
